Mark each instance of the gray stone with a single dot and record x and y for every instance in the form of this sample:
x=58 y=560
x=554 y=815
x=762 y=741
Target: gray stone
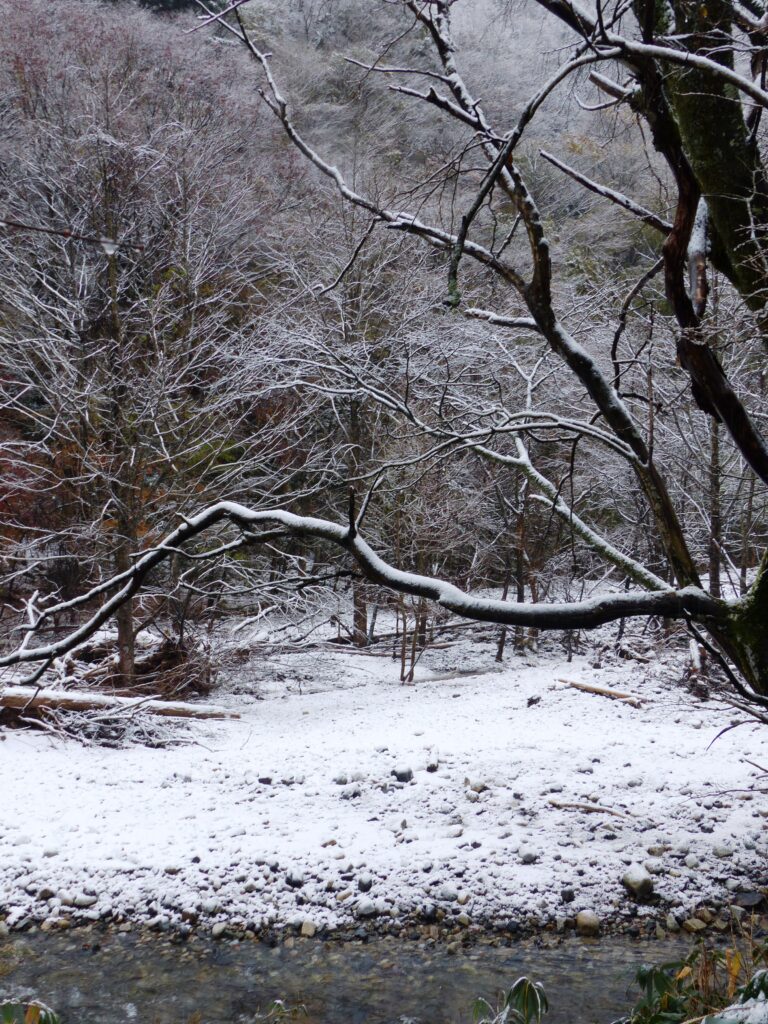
x=638 y=882
x=528 y=856
x=402 y=774
x=672 y=923
x=219 y=930
x=295 y=878
x=365 y=883
x=691 y=861
x=308 y=929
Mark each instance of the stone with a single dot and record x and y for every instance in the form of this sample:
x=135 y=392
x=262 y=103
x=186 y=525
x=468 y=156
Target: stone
x=295 y=878
x=308 y=929
x=402 y=774
x=705 y=915
x=341 y=779
x=46 y=893
x=694 y=925
x=528 y=856
x=219 y=930
x=84 y=901
x=567 y=895
x=587 y=923
x=5 y=931
x=365 y=908
x=447 y=893
x=691 y=861
x=722 y=851
x=672 y=923
x=365 y=883
x=638 y=883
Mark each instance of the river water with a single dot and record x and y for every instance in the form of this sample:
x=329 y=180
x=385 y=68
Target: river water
x=92 y=978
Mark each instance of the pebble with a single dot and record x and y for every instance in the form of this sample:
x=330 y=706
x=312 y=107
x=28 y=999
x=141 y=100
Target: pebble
x=587 y=923
x=308 y=929
x=721 y=850
x=83 y=901
x=365 y=883
x=638 y=882
x=219 y=930
x=402 y=774
x=365 y=908
x=295 y=878
x=691 y=861
x=693 y=925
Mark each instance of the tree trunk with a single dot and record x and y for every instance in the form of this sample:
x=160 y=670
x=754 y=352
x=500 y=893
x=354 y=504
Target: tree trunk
x=715 y=518
x=126 y=648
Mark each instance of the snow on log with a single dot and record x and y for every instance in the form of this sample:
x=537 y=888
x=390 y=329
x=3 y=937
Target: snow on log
x=29 y=698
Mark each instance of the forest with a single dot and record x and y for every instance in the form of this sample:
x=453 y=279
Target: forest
x=381 y=345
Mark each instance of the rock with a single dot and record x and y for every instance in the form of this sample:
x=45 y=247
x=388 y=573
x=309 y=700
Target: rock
x=654 y=866
x=308 y=929
x=672 y=923
x=749 y=900
x=455 y=832
x=5 y=931
x=691 y=861
x=46 y=893
x=694 y=925
x=447 y=893
x=705 y=915
x=528 y=856
x=219 y=930
x=365 y=883
x=341 y=779
x=478 y=786
x=462 y=899
x=567 y=895
x=638 y=882
x=295 y=878
x=172 y=869
x=83 y=901
x=722 y=850
x=587 y=923
x=402 y=774
x=365 y=908
x=463 y=919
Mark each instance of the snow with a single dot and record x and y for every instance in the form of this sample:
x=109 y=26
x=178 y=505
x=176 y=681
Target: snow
x=294 y=812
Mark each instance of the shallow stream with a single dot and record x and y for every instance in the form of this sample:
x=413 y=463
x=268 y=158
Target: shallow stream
x=117 y=979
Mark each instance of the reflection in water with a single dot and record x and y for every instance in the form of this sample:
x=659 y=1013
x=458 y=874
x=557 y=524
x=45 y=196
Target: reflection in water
x=115 y=979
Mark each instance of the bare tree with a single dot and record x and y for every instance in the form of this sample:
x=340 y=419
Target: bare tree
x=584 y=421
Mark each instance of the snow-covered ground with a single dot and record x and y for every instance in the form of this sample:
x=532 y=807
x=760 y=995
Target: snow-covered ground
x=294 y=813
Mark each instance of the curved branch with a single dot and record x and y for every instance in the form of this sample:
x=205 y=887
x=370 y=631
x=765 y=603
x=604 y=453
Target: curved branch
x=689 y=602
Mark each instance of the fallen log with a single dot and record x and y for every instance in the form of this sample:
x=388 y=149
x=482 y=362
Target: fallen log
x=587 y=808
x=601 y=691
x=28 y=698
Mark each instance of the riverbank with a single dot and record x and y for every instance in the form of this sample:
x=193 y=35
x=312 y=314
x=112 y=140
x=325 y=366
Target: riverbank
x=479 y=800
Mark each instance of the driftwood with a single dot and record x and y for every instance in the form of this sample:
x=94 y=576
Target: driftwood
x=587 y=808
x=602 y=691
x=27 y=698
